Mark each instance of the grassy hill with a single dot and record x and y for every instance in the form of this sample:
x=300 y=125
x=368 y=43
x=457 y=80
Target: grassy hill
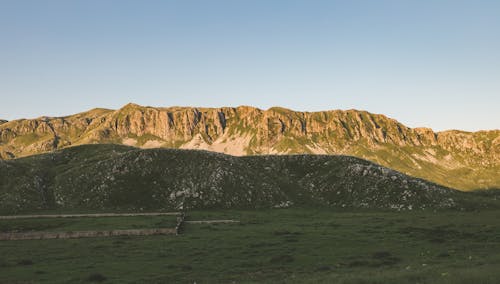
x=114 y=177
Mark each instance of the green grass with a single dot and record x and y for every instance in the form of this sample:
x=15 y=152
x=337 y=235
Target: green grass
x=29 y=139
x=141 y=140
x=87 y=223
x=277 y=246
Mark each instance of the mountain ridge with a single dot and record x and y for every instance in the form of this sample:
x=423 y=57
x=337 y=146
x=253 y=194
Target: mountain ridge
x=454 y=158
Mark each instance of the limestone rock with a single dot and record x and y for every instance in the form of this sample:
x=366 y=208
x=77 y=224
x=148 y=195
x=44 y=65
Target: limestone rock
x=247 y=130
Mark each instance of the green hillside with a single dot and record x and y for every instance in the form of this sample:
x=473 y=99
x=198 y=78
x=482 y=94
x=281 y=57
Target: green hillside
x=113 y=177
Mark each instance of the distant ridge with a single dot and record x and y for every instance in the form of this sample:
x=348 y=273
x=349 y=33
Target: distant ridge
x=458 y=159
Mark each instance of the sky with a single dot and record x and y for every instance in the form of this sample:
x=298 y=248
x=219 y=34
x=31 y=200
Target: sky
x=429 y=63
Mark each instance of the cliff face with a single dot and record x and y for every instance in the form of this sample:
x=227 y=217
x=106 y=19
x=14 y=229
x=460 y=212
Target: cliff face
x=454 y=158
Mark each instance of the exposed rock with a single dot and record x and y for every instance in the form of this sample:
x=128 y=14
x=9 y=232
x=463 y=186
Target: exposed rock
x=246 y=130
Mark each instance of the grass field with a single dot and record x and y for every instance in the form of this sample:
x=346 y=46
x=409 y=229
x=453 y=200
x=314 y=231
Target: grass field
x=276 y=246
x=87 y=223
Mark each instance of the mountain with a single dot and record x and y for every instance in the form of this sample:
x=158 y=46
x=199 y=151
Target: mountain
x=457 y=159
x=113 y=177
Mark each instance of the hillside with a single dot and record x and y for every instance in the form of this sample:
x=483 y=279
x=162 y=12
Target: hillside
x=457 y=159
x=112 y=177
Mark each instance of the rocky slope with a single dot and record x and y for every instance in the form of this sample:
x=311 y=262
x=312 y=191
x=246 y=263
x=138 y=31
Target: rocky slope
x=113 y=177
x=456 y=159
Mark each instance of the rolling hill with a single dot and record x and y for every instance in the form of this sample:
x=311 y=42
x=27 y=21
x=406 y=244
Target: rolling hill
x=113 y=177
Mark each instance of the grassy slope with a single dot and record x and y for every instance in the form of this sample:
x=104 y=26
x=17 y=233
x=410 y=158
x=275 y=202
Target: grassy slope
x=123 y=178
x=277 y=246
x=87 y=223
x=473 y=177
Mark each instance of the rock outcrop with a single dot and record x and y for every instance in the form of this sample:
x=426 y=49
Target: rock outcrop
x=457 y=159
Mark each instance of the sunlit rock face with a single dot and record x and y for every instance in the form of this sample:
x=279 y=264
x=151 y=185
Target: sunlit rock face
x=458 y=159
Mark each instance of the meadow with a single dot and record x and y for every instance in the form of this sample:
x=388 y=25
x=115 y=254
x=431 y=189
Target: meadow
x=87 y=223
x=294 y=245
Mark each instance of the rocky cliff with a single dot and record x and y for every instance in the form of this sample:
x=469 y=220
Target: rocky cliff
x=457 y=159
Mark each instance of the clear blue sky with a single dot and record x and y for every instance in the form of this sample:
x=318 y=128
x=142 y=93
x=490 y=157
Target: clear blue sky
x=429 y=63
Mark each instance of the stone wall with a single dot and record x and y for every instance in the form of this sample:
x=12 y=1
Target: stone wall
x=91 y=234
x=86 y=234
x=98 y=215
